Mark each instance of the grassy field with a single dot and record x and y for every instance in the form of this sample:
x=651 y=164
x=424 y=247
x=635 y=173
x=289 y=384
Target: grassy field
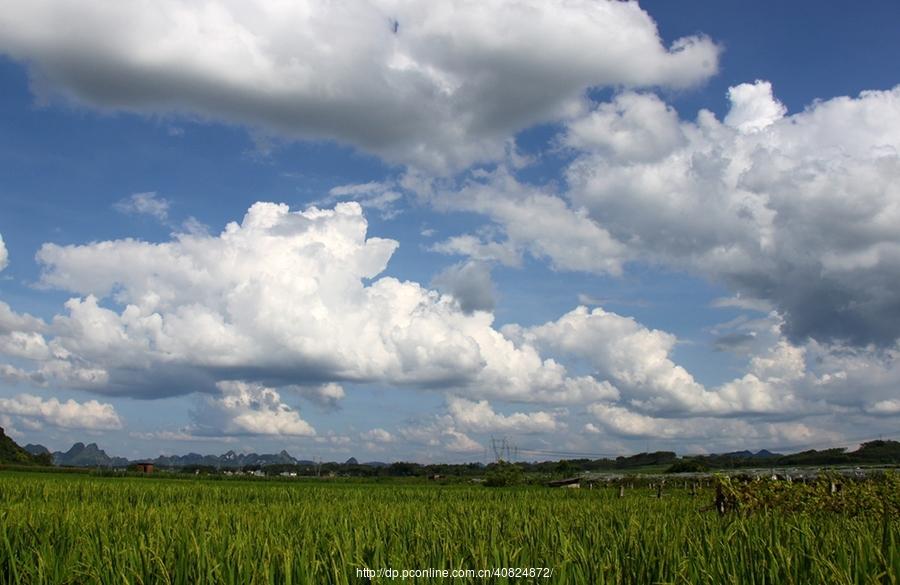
x=82 y=529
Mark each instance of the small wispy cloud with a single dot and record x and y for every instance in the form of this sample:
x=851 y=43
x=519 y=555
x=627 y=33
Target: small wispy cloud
x=741 y=302
x=4 y=255
x=591 y=300
x=383 y=196
x=151 y=204
x=147 y=203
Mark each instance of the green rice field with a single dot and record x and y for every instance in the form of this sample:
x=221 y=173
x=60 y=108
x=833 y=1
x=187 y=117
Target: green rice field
x=57 y=528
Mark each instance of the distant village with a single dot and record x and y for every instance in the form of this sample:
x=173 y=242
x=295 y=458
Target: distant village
x=564 y=472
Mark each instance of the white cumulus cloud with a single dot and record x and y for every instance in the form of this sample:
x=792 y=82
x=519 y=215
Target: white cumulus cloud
x=281 y=299
x=637 y=362
x=378 y=435
x=91 y=415
x=793 y=210
x=240 y=408
x=633 y=127
x=438 y=86
x=753 y=107
x=469 y=415
x=461 y=443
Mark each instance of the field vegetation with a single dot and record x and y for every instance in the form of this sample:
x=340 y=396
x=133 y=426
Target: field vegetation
x=83 y=529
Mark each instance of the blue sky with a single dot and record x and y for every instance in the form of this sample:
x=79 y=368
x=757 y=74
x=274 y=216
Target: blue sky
x=736 y=269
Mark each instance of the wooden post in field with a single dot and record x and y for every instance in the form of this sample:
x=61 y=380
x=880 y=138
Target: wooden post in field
x=659 y=490
x=621 y=490
x=693 y=489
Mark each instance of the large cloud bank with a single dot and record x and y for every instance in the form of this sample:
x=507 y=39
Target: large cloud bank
x=795 y=213
x=799 y=211
x=290 y=303
x=283 y=299
x=435 y=85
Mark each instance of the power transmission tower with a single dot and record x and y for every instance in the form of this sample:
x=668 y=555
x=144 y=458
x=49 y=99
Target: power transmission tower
x=503 y=449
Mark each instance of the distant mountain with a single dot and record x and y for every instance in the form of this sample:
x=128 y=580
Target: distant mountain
x=91 y=455
x=351 y=461
x=227 y=460
x=761 y=454
x=11 y=452
x=81 y=455
x=736 y=454
x=36 y=449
